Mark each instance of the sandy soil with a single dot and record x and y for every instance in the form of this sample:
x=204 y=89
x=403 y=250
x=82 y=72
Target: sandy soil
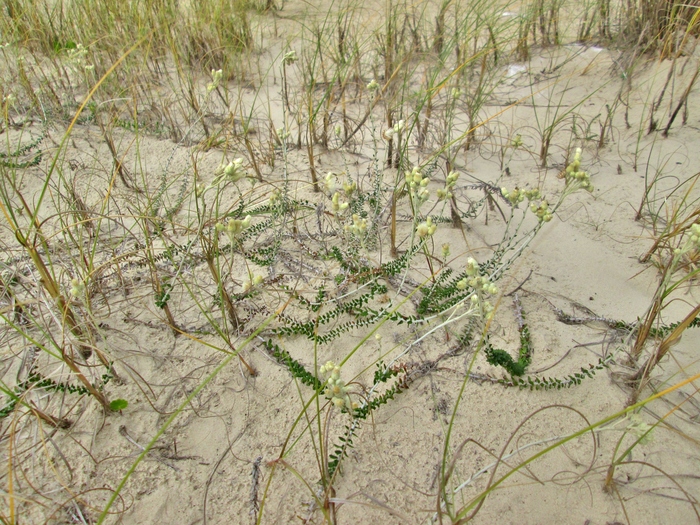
x=223 y=450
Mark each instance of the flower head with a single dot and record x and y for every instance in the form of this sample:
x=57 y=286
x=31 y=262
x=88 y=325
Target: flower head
x=575 y=177
x=232 y=172
x=336 y=390
x=472 y=267
x=543 y=211
x=77 y=287
x=330 y=181
x=234 y=227
x=417 y=186
x=254 y=282
x=695 y=235
x=358 y=226
x=216 y=75
x=337 y=205
x=426 y=228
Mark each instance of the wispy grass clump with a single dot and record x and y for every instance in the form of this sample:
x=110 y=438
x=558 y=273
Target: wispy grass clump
x=348 y=193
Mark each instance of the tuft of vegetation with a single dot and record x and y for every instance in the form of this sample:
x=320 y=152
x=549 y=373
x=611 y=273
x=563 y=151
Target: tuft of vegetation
x=339 y=199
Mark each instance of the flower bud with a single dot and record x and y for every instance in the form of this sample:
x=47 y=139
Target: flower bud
x=472 y=267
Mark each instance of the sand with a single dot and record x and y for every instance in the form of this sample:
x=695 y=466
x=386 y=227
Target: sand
x=244 y=447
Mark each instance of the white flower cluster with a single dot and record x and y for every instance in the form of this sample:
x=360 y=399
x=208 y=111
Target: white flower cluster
x=692 y=243
x=216 y=75
x=77 y=287
x=398 y=128
x=336 y=390
x=358 y=226
x=695 y=235
x=234 y=227
x=475 y=280
x=232 y=172
x=417 y=187
x=289 y=57
x=77 y=55
x=254 y=282
x=543 y=211
x=426 y=228
x=275 y=197
x=575 y=177
x=517 y=196
x=283 y=133
x=349 y=188
x=446 y=193
x=418 y=190
x=337 y=205
x=482 y=285
x=330 y=181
